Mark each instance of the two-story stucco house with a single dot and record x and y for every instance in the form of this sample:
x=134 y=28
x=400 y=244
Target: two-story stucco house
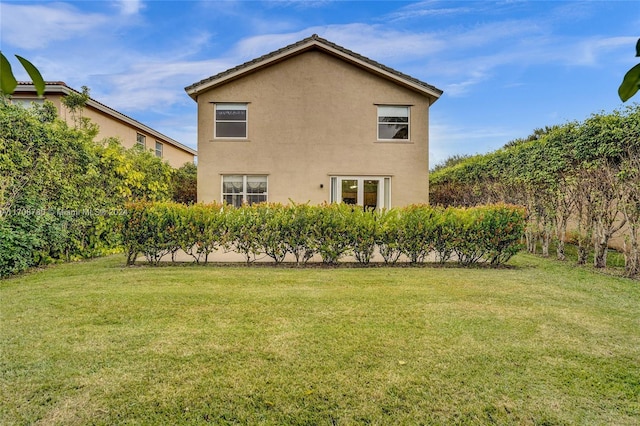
x=313 y=122
x=111 y=123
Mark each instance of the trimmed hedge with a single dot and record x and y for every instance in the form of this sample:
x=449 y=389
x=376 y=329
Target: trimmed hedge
x=489 y=234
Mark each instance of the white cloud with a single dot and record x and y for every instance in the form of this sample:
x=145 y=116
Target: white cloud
x=129 y=7
x=182 y=127
x=37 y=26
x=156 y=84
x=447 y=139
x=448 y=59
x=592 y=50
x=460 y=88
x=375 y=41
x=429 y=8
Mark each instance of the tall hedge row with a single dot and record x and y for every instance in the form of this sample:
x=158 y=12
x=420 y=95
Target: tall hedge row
x=490 y=234
x=61 y=191
x=579 y=182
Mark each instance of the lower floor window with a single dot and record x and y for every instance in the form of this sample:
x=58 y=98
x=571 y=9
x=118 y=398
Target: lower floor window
x=373 y=193
x=240 y=189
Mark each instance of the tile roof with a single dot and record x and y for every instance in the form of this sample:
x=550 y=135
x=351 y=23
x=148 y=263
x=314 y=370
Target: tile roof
x=303 y=45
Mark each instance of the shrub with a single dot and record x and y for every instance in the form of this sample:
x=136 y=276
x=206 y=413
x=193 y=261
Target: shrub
x=490 y=234
x=332 y=237
x=243 y=226
x=151 y=229
x=388 y=235
x=417 y=232
x=184 y=184
x=299 y=231
x=444 y=232
x=503 y=228
x=272 y=230
x=202 y=228
x=362 y=228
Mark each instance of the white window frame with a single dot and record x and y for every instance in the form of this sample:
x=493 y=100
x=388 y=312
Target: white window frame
x=159 y=149
x=384 y=189
x=141 y=140
x=379 y=122
x=233 y=105
x=26 y=103
x=245 y=195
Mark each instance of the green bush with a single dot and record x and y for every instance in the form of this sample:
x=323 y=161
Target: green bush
x=417 y=232
x=489 y=234
x=151 y=229
x=332 y=237
x=201 y=229
x=299 y=232
x=503 y=227
x=444 y=233
x=273 y=230
x=61 y=192
x=243 y=225
x=389 y=235
x=363 y=229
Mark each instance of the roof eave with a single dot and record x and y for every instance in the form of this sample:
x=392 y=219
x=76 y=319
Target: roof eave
x=195 y=89
x=313 y=42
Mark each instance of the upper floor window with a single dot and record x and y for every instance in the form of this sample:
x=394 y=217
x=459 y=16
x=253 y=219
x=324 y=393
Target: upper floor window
x=231 y=120
x=141 y=140
x=158 y=149
x=26 y=102
x=393 y=122
x=240 y=189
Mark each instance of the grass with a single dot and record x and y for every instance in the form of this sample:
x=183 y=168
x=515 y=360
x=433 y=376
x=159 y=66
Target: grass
x=615 y=258
x=542 y=343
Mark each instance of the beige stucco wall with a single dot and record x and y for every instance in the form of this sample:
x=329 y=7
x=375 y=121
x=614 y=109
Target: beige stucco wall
x=110 y=126
x=311 y=117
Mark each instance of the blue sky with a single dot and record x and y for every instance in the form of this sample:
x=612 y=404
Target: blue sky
x=506 y=67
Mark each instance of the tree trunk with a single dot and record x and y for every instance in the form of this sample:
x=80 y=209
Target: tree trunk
x=561 y=236
x=600 y=253
x=560 y=255
x=546 y=240
x=583 y=249
x=531 y=241
x=632 y=252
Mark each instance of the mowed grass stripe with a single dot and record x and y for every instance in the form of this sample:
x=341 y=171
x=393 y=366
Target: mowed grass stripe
x=540 y=343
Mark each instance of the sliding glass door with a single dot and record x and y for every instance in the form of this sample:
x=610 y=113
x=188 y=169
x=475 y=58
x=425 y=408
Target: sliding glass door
x=373 y=193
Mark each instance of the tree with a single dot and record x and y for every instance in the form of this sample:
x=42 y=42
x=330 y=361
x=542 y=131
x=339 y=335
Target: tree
x=451 y=161
x=184 y=184
x=577 y=181
x=61 y=193
x=631 y=81
x=75 y=103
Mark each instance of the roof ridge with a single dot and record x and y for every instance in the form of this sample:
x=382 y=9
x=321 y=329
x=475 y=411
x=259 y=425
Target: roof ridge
x=252 y=61
x=316 y=38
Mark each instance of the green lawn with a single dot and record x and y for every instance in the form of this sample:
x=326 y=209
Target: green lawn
x=542 y=342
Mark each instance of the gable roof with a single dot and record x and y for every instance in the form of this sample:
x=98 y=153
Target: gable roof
x=314 y=43
x=61 y=87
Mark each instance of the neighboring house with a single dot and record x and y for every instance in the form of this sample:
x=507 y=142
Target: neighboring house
x=313 y=122
x=111 y=123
